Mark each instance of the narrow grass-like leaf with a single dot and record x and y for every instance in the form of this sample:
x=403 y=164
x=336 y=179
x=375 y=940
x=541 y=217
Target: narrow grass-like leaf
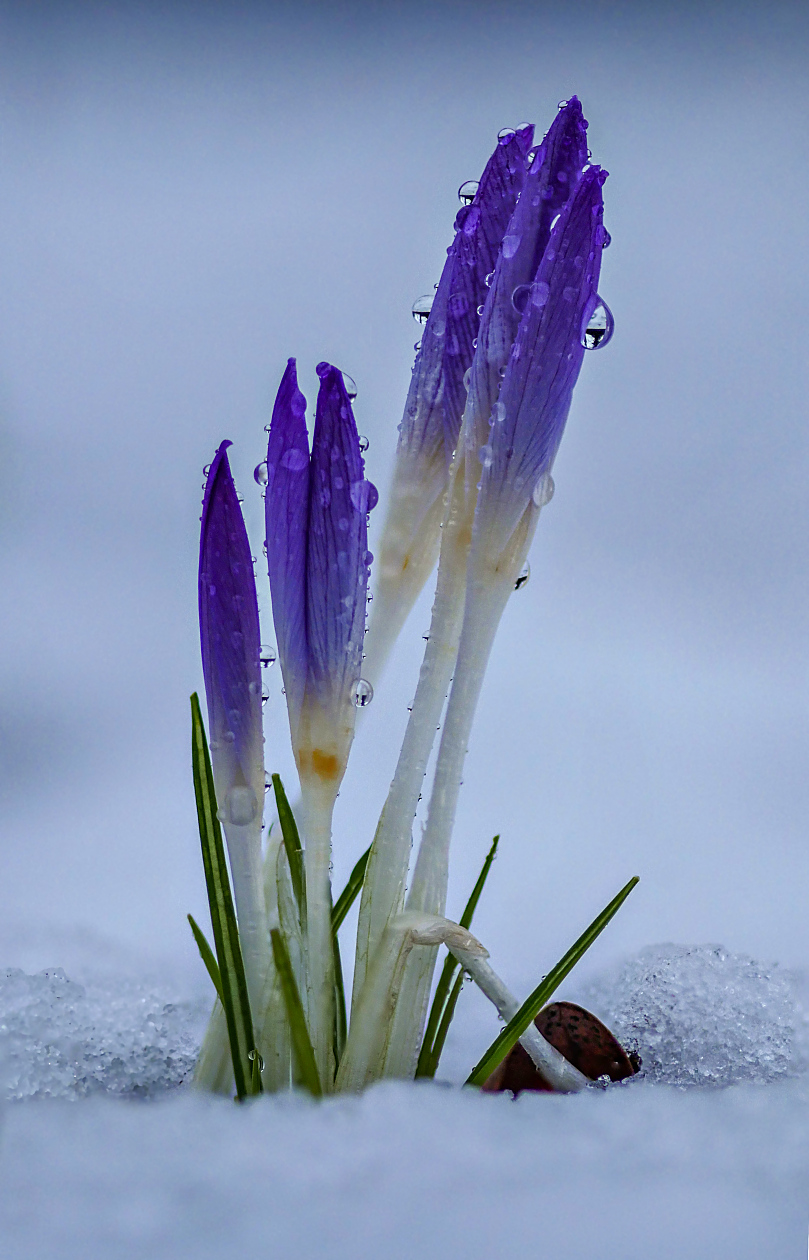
x=533 y=1004
x=430 y=1047
x=349 y=894
x=207 y=955
x=292 y=844
x=301 y=1042
x=235 y=1000
x=340 y=1020
x=446 y=1020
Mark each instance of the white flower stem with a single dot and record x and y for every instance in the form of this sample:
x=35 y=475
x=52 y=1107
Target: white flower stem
x=383 y=888
x=244 y=851
x=490 y=584
x=318 y=807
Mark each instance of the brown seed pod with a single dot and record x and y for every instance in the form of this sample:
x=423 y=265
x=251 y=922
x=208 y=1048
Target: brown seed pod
x=580 y=1037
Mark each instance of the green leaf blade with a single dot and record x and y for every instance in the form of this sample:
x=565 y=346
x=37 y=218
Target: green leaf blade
x=301 y=1041
x=510 y=1035
x=292 y=844
x=207 y=955
x=349 y=894
x=235 y=1000
x=430 y=1052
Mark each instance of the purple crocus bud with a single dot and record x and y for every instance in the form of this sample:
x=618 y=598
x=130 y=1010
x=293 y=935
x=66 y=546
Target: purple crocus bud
x=287 y=522
x=542 y=370
x=229 y=634
x=551 y=180
x=435 y=403
x=336 y=581
x=317 y=554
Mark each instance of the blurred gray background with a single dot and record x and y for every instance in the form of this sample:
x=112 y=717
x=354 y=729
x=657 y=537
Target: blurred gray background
x=191 y=193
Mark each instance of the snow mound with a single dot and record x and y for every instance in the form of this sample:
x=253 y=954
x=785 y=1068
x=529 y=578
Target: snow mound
x=119 y=1036
x=698 y=1015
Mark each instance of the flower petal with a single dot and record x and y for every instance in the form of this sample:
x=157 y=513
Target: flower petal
x=337 y=557
x=229 y=633
x=545 y=361
x=286 y=510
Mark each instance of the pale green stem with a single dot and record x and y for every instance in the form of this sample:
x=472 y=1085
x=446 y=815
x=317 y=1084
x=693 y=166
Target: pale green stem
x=384 y=884
x=244 y=851
x=214 y=1071
x=370 y=1030
x=317 y=810
x=491 y=584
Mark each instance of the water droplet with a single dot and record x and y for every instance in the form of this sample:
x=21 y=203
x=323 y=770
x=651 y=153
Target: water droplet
x=417 y=346
x=241 y=806
x=480 y=310
x=606 y=239
x=267 y=780
x=265 y=695
x=266 y=655
x=363 y=694
x=486 y=455
x=505 y=134
x=467 y=191
x=488 y=280
x=599 y=327
x=260 y=473
x=467 y=376
x=206 y=470
x=543 y=490
x=474 y=343
x=351 y=386
x=364 y=444
x=511 y=243
x=295 y=460
x=540 y=292
x=524 y=575
x=422 y=307
x=499 y=412
x=255 y=1057
x=520 y=296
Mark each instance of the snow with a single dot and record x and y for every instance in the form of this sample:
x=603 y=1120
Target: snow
x=105 y=1153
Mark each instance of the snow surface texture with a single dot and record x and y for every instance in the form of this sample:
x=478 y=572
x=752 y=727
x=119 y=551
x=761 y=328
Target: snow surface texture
x=698 y=1015
x=647 y=1168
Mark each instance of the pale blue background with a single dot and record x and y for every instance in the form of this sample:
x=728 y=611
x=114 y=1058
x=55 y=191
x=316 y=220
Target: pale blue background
x=189 y=194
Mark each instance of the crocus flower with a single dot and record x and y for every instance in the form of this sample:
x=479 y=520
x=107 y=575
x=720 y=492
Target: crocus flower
x=532 y=410
x=428 y=434
x=553 y=174
x=229 y=633
x=316 y=515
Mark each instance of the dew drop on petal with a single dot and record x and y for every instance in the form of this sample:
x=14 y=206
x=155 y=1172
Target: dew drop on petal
x=486 y=455
x=505 y=135
x=294 y=459
x=468 y=191
x=266 y=655
x=520 y=296
x=499 y=412
x=363 y=693
x=488 y=280
x=260 y=473
x=511 y=243
x=606 y=239
x=422 y=307
x=524 y=575
x=543 y=490
x=467 y=376
x=364 y=444
x=351 y=386
x=241 y=806
x=599 y=327
x=540 y=292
